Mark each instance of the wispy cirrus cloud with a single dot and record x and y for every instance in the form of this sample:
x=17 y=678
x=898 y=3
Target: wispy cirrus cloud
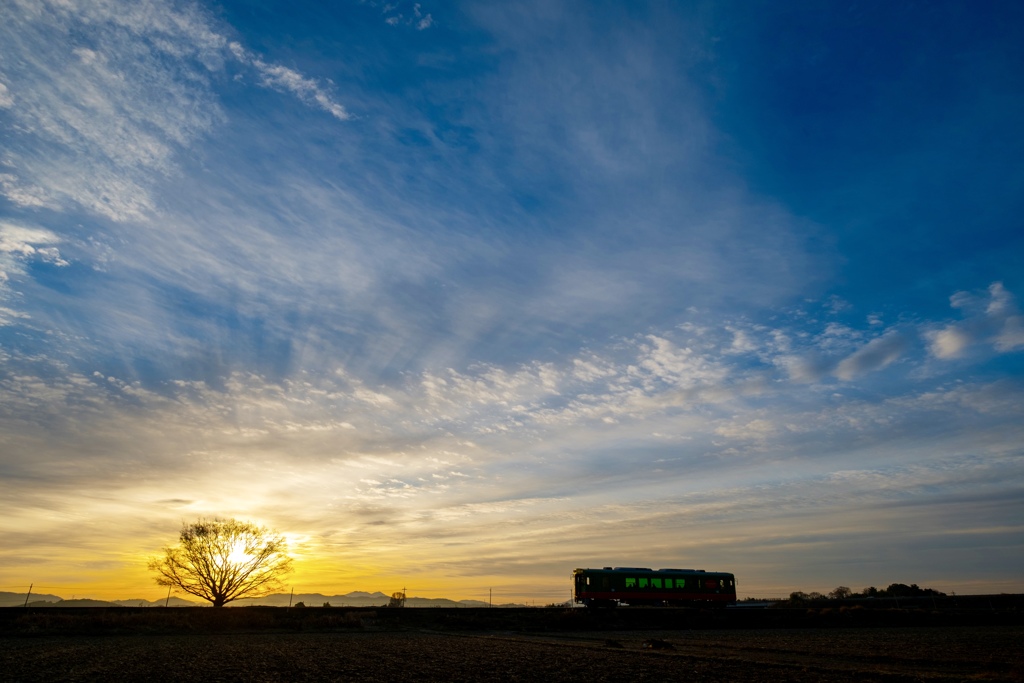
x=283 y=79
x=112 y=96
x=107 y=101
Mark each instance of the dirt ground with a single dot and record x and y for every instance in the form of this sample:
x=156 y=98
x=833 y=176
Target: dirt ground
x=884 y=654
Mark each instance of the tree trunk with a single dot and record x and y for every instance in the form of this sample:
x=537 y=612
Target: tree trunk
x=218 y=601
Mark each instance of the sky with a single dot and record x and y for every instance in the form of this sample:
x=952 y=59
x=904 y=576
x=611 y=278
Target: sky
x=461 y=296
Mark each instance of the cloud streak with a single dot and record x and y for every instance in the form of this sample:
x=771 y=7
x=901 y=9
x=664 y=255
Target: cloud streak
x=875 y=355
x=283 y=79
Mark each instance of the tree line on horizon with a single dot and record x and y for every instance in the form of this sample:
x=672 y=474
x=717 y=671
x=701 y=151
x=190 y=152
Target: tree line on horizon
x=894 y=590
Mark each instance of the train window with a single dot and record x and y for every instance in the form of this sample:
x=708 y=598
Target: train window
x=643 y=583
x=588 y=580
x=656 y=583
x=630 y=582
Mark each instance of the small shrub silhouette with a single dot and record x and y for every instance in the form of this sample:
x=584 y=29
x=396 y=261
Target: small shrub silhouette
x=657 y=644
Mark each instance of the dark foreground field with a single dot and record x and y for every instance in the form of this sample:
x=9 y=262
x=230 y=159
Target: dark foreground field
x=363 y=645
x=913 y=654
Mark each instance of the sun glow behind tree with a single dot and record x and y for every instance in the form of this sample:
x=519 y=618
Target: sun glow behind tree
x=224 y=560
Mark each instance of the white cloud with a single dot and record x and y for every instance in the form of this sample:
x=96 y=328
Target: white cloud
x=838 y=351
x=742 y=342
x=592 y=369
x=16 y=239
x=836 y=304
x=1011 y=336
x=755 y=430
x=663 y=361
x=994 y=319
x=949 y=342
x=394 y=17
x=1000 y=301
x=18 y=246
x=811 y=367
x=6 y=99
x=21 y=193
x=283 y=79
x=289 y=80
x=875 y=355
x=9 y=316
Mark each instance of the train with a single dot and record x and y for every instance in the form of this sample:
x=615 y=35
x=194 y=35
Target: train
x=634 y=586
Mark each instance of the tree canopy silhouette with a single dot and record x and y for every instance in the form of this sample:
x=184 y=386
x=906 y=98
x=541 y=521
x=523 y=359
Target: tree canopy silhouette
x=224 y=560
x=397 y=599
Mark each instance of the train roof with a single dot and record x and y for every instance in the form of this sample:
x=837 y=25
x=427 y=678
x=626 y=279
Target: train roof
x=634 y=570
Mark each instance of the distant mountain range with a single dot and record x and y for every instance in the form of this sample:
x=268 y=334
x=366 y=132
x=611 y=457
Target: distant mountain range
x=18 y=599
x=46 y=600
x=353 y=599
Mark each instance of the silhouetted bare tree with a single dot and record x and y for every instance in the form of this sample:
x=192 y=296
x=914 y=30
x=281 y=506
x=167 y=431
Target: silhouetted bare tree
x=224 y=560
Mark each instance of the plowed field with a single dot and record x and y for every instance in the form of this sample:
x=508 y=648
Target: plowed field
x=773 y=656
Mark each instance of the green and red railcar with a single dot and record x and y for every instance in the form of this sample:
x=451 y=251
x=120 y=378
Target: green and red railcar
x=610 y=586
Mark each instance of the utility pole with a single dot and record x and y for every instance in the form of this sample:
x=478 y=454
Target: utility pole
x=290 y=597
x=28 y=594
x=168 y=600
x=490 y=595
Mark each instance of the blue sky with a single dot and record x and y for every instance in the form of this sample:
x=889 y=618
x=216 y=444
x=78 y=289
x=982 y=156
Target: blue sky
x=463 y=296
